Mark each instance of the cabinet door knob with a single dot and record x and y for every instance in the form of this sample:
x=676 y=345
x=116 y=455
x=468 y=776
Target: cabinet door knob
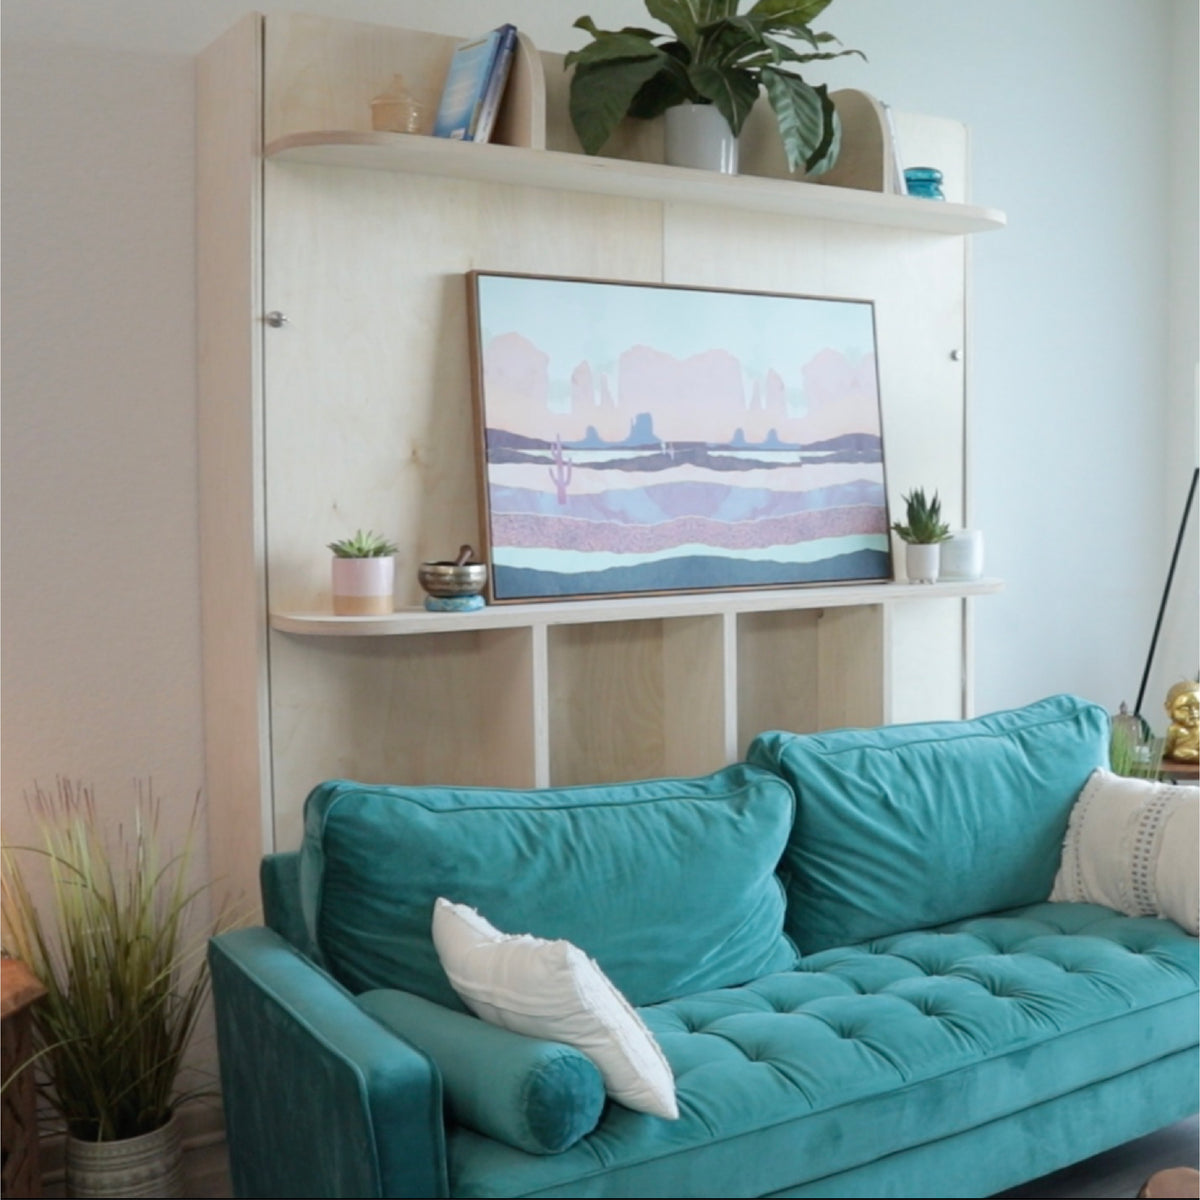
x=276 y=319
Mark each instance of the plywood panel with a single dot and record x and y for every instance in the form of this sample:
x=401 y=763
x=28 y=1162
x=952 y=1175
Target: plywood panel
x=694 y=683
x=852 y=647
x=370 y=423
x=606 y=702
x=452 y=708
x=369 y=404
x=777 y=673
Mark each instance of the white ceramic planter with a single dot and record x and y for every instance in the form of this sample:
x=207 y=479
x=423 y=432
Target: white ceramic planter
x=699 y=136
x=150 y=1165
x=962 y=555
x=363 y=587
x=922 y=561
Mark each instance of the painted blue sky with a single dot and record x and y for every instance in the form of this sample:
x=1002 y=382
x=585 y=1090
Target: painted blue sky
x=574 y=321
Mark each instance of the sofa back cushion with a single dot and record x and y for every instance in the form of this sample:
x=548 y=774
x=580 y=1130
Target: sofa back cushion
x=668 y=884
x=908 y=826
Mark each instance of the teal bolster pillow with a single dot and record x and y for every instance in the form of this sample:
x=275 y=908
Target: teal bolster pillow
x=908 y=826
x=669 y=884
x=538 y=1096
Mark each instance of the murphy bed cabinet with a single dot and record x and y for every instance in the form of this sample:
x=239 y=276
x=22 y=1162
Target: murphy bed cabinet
x=334 y=393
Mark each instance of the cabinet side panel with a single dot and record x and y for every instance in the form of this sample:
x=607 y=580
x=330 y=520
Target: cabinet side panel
x=229 y=434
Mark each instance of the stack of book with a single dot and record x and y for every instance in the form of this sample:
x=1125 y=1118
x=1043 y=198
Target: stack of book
x=474 y=86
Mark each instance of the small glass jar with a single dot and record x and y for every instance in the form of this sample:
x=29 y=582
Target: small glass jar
x=395 y=110
x=925 y=182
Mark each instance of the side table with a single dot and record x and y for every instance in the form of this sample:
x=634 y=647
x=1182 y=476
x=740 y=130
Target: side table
x=21 y=1173
x=1179 y=772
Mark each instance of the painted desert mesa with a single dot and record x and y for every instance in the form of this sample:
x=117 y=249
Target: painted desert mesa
x=645 y=438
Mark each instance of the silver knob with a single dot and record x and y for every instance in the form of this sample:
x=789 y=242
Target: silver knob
x=955 y=355
x=275 y=319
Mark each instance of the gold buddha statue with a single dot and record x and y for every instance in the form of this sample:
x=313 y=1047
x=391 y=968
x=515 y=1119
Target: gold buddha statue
x=1183 y=733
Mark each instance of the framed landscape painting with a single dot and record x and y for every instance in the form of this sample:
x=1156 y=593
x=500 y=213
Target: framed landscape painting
x=638 y=438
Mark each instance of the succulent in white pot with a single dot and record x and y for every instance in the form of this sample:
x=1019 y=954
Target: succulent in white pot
x=364 y=575
x=923 y=533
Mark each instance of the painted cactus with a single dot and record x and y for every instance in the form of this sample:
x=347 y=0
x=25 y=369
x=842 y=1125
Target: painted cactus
x=561 y=472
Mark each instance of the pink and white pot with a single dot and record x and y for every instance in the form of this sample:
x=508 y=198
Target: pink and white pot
x=364 y=587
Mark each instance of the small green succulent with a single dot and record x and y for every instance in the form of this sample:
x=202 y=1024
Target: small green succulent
x=363 y=545
x=925 y=525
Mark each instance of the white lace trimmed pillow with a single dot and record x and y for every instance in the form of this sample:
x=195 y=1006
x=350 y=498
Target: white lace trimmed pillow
x=1134 y=845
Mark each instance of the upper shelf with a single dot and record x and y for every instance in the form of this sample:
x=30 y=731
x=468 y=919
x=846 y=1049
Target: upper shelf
x=410 y=621
x=623 y=177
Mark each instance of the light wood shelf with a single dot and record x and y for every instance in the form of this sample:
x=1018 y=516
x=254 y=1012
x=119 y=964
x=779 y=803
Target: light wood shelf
x=596 y=175
x=417 y=621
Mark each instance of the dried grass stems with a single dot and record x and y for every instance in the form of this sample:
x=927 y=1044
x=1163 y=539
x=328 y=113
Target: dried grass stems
x=125 y=980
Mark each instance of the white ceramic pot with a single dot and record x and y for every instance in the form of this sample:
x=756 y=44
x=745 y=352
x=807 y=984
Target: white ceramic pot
x=962 y=555
x=699 y=136
x=921 y=561
x=363 y=587
x=149 y=1165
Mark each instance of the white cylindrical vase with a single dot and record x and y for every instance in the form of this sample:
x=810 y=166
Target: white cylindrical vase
x=921 y=561
x=699 y=136
x=962 y=555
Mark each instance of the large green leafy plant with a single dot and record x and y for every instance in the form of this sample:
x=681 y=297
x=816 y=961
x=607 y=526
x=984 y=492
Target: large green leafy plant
x=110 y=943
x=711 y=55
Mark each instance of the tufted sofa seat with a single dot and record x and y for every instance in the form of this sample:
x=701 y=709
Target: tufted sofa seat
x=930 y=1037
x=843 y=947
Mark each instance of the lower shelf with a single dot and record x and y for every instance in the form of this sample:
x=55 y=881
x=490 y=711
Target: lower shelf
x=559 y=694
x=634 y=608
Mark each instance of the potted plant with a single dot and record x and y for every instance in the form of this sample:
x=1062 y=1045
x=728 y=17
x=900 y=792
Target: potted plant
x=109 y=940
x=364 y=575
x=713 y=60
x=923 y=534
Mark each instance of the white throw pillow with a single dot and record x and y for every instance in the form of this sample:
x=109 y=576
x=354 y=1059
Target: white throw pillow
x=1132 y=845
x=552 y=990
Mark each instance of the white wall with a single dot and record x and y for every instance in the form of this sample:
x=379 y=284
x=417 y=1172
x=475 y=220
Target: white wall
x=1083 y=116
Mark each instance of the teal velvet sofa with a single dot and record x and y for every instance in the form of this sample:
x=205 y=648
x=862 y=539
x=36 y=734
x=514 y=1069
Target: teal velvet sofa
x=842 y=945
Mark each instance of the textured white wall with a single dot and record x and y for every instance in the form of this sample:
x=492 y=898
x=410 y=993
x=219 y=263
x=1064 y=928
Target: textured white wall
x=1083 y=122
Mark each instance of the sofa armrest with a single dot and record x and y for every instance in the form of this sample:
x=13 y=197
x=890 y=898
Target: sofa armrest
x=320 y=1099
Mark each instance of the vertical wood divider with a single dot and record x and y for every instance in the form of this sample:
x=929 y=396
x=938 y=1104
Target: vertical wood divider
x=729 y=651
x=539 y=665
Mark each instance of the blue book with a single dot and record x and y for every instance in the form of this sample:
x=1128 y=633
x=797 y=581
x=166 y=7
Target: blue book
x=501 y=67
x=466 y=85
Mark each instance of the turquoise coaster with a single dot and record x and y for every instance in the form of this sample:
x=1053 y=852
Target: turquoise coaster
x=453 y=603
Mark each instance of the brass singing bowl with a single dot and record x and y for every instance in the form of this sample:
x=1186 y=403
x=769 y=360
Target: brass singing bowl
x=452 y=579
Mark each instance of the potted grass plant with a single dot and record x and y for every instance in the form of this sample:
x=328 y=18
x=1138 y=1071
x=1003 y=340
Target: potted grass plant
x=709 y=67
x=364 y=575
x=923 y=533
x=103 y=919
